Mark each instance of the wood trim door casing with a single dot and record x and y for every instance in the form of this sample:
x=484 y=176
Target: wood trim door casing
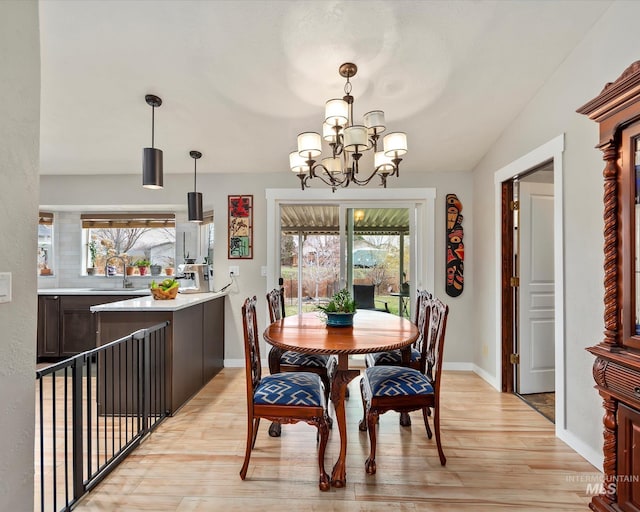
x=507 y=290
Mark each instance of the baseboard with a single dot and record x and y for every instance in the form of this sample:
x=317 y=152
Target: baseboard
x=593 y=457
x=457 y=367
x=490 y=379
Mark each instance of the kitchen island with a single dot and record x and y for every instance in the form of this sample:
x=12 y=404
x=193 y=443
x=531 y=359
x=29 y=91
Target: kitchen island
x=195 y=336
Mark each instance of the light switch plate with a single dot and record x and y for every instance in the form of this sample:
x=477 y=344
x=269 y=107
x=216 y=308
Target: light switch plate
x=5 y=286
x=263 y=271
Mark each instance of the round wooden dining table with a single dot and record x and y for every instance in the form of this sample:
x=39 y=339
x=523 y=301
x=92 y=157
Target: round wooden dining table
x=372 y=331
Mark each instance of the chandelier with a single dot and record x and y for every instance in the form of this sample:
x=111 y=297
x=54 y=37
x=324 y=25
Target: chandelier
x=348 y=143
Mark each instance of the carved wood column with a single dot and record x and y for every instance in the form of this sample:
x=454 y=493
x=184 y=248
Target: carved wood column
x=609 y=422
x=611 y=222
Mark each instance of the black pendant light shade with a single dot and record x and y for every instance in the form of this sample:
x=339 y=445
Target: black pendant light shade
x=152 y=168
x=152 y=157
x=194 y=199
x=194 y=202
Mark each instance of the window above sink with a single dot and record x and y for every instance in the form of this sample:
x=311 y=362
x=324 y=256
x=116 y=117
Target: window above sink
x=142 y=243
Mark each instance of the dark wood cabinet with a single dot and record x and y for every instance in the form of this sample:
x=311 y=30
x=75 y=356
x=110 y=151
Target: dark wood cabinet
x=616 y=369
x=195 y=348
x=66 y=326
x=48 y=326
x=213 y=341
x=628 y=457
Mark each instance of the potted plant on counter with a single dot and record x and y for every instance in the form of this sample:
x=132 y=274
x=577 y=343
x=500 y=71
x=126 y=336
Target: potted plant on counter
x=142 y=265
x=340 y=309
x=168 y=270
x=93 y=256
x=155 y=269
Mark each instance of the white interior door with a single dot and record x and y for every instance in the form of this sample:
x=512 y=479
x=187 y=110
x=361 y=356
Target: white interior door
x=536 y=315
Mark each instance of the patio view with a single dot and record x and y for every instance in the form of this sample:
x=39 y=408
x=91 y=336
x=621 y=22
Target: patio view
x=377 y=253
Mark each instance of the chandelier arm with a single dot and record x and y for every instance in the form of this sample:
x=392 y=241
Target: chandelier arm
x=330 y=180
x=303 y=179
x=383 y=175
x=374 y=141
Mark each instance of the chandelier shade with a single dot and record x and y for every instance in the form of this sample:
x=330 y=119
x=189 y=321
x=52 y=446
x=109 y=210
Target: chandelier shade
x=348 y=143
x=374 y=121
x=336 y=112
x=355 y=137
x=194 y=199
x=309 y=144
x=152 y=165
x=296 y=162
x=395 y=144
x=383 y=162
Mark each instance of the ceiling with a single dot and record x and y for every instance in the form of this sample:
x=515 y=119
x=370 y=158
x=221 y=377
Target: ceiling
x=240 y=79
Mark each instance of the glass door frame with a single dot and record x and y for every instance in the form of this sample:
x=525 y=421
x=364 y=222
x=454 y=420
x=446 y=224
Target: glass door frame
x=420 y=201
x=346 y=241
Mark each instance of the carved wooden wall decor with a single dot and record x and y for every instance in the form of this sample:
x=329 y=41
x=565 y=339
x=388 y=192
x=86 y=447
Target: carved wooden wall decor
x=455 y=247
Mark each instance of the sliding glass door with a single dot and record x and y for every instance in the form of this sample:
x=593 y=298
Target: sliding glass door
x=325 y=247
x=379 y=256
x=309 y=255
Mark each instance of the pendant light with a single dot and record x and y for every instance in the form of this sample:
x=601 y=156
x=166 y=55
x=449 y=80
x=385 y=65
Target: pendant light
x=194 y=199
x=152 y=157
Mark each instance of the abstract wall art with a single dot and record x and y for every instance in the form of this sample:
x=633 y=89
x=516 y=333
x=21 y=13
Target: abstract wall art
x=240 y=227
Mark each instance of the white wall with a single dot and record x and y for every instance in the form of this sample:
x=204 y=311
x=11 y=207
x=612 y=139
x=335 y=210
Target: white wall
x=117 y=190
x=19 y=156
x=601 y=57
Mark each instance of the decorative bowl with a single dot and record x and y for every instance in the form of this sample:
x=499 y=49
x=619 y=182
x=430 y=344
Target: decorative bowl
x=160 y=294
x=339 y=319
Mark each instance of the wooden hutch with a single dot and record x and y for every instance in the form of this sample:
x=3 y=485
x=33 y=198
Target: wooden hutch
x=616 y=369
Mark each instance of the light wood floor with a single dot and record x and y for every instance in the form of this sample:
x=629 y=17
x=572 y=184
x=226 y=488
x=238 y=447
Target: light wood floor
x=501 y=456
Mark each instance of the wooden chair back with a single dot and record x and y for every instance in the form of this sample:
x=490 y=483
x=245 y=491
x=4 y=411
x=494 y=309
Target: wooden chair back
x=420 y=296
x=433 y=342
x=275 y=300
x=251 y=347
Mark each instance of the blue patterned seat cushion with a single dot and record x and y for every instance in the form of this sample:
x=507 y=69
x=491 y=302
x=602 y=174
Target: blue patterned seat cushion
x=300 y=359
x=291 y=388
x=389 y=381
x=391 y=358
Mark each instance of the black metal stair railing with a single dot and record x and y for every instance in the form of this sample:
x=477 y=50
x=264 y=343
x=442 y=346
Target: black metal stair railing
x=92 y=410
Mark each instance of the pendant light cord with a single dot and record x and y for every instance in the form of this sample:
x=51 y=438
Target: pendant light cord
x=195 y=161
x=153 y=124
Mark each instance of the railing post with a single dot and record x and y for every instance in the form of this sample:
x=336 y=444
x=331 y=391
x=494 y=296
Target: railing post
x=77 y=423
x=143 y=336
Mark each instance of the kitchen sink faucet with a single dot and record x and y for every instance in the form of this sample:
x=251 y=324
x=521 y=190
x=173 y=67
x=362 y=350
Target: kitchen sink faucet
x=126 y=283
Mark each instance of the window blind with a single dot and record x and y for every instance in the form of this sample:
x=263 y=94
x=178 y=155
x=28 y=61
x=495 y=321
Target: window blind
x=128 y=220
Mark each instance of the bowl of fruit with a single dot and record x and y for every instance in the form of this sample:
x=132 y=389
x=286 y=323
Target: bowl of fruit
x=167 y=289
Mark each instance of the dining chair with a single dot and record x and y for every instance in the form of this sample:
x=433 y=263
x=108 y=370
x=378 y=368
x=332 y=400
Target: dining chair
x=364 y=296
x=403 y=389
x=283 y=397
x=394 y=357
x=289 y=361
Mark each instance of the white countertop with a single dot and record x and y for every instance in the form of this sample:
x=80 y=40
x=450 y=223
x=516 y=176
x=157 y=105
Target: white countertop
x=93 y=291
x=148 y=303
